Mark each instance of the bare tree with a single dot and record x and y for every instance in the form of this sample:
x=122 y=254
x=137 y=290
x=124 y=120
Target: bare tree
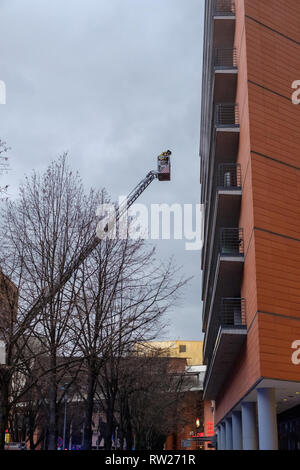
x=153 y=406
x=4 y=165
x=27 y=418
x=137 y=316
x=122 y=297
x=42 y=233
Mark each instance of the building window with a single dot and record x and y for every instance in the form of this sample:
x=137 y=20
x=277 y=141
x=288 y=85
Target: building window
x=182 y=348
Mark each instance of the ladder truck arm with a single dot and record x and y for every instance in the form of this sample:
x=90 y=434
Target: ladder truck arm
x=162 y=174
x=132 y=197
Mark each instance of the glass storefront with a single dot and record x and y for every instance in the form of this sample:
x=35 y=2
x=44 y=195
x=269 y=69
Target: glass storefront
x=289 y=429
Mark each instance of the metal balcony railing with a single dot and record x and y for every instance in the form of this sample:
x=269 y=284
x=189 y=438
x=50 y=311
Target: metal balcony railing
x=224 y=8
x=225 y=58
x=229 y=175
x=227 y=115
x=231 y=242
x=232 y=313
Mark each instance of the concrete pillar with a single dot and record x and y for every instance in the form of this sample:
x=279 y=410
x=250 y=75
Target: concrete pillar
x=222 y=436
x=249 y=429
x=237 y=440
x=228 y=427
x=267 y=419
x=219 y=437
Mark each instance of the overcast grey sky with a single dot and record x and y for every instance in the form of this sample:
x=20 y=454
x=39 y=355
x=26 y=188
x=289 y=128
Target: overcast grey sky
x=114 y=83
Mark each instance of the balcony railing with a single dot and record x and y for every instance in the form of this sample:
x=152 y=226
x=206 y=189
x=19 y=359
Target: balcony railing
x=231 y=242
x=229 y=176
x=227 y=115
x=224 y=8
x=232 y=313
x=225 y=58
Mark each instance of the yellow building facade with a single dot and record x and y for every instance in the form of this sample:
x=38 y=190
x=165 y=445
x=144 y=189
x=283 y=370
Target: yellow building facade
x=189 y=350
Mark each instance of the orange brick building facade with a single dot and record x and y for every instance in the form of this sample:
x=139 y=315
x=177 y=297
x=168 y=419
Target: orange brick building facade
x=250 y=176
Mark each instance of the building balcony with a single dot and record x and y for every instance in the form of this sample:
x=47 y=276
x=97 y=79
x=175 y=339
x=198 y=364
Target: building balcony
x=226 y=136
x=224 y=149
x=224 y=9
x=231 y=242
x=223 y=341
x=227 y=205
x=225 y=60
x=217 y=86
x=230 y=313
x=225 y=210
x=225 y=270
x=225 y=75
x=227 y=132
x=229 y=177
x=223 y=23
x=227 y=117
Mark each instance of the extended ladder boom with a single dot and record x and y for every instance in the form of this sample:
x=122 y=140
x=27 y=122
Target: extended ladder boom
x=163 y=174
x=135 y=194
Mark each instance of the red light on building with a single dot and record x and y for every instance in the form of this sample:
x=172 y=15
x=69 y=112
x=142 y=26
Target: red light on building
x=198 y=434
x=209 y=429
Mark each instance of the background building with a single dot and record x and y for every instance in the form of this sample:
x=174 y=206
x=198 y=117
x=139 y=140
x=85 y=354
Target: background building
x=189 y=350
x=250 y=177
x=196 y=418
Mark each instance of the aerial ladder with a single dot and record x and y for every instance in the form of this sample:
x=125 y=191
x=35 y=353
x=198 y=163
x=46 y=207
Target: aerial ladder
x=163 y=173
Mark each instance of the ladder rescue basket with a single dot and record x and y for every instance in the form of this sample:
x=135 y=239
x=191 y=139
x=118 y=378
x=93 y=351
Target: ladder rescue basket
x=164 y=166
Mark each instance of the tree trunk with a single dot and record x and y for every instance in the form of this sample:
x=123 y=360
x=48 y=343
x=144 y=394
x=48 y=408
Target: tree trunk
x=126 y=423
x=129 y=439
x=4 y=405
x=109 y=425
x=52 y=428
x=89 y=408
x=31 y=440
x=139 y=442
